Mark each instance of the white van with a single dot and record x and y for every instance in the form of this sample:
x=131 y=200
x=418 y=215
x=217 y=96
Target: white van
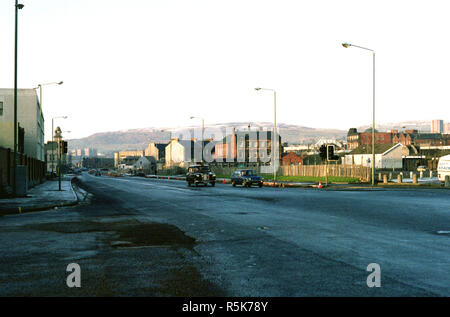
x=444 y=167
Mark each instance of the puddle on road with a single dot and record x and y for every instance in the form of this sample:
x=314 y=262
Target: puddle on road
x=131 y=233
x=154 y=234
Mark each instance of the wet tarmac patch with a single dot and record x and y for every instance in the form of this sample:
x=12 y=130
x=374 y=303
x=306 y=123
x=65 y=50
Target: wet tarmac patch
x=130 y=233
x=186 y=281
x=154 y=234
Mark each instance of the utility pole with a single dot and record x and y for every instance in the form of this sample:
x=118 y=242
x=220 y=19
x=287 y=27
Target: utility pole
x=58 y=138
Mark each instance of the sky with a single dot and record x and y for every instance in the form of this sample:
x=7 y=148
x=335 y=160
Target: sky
x=155 y=63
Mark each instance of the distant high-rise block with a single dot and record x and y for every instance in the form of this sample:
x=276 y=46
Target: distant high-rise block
x=437 y=126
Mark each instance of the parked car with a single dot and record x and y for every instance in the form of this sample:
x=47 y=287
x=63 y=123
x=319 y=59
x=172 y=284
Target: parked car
x=246 y=178
x=97 y=173
x=422 y=168
x=200 y=174
x=140 y=174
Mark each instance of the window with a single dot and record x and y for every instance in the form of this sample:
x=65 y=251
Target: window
x=1 y=108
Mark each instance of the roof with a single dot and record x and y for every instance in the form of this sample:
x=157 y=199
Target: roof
x=291 y=153
x=428 y=136
x=20 y=91
x=367 y=149
x=161 y=146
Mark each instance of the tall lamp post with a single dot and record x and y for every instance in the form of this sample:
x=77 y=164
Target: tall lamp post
x=346 y=45
x=275 y=136
x=40 y=91
x=39 y=86
x=203 y=131
x=58 y=137
x=18 y=7
x=53 y=143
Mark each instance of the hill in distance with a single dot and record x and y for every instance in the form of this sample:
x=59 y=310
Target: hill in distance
x=137 y=139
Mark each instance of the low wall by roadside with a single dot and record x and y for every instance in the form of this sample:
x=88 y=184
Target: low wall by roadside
x=35 y=168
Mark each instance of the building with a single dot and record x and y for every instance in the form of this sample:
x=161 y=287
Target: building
x=146 y=164
x=29 y=117
x=447 y=128
x=387 y=156
x=437 y=126
x=86 y=152
x=90 y=152
x=120 y=156
x=356 y=139
x=410 y=137
x=51 y=156
x=157 y=151
x=128 y=163
x=353 y=141
x=292 y=158
x=297 y=148
x=182 y=153
x=432 y=139
x=247 y=146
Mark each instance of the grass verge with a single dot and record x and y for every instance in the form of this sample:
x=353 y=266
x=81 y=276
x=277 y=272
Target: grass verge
x=312 y=179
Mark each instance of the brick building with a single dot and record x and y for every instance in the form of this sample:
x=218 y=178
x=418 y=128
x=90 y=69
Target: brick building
x=292 y=158
x=407 y=137
x=247 y=146
x=356 y=139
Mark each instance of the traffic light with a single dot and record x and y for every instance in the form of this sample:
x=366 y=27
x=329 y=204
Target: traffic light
x=323 y=152
x=330 y=153
x=64 y=147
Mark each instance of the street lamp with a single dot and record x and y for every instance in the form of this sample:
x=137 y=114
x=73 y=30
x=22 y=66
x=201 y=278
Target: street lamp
x=40 y=100
x=347 y=45
x=40 y=90
x=18 y=7
x=203 y=131
x=275 y=137
x=53 y=143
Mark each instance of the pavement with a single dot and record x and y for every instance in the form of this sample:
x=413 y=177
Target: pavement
x=147 y=237
x=41 y=197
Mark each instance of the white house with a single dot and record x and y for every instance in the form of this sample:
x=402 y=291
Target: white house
x=387 y=156
x=183 y=152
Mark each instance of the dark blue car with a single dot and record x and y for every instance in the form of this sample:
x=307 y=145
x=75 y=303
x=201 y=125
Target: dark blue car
x=246 y=178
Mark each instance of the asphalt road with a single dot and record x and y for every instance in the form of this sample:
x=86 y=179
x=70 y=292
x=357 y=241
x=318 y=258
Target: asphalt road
x=147 y=237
